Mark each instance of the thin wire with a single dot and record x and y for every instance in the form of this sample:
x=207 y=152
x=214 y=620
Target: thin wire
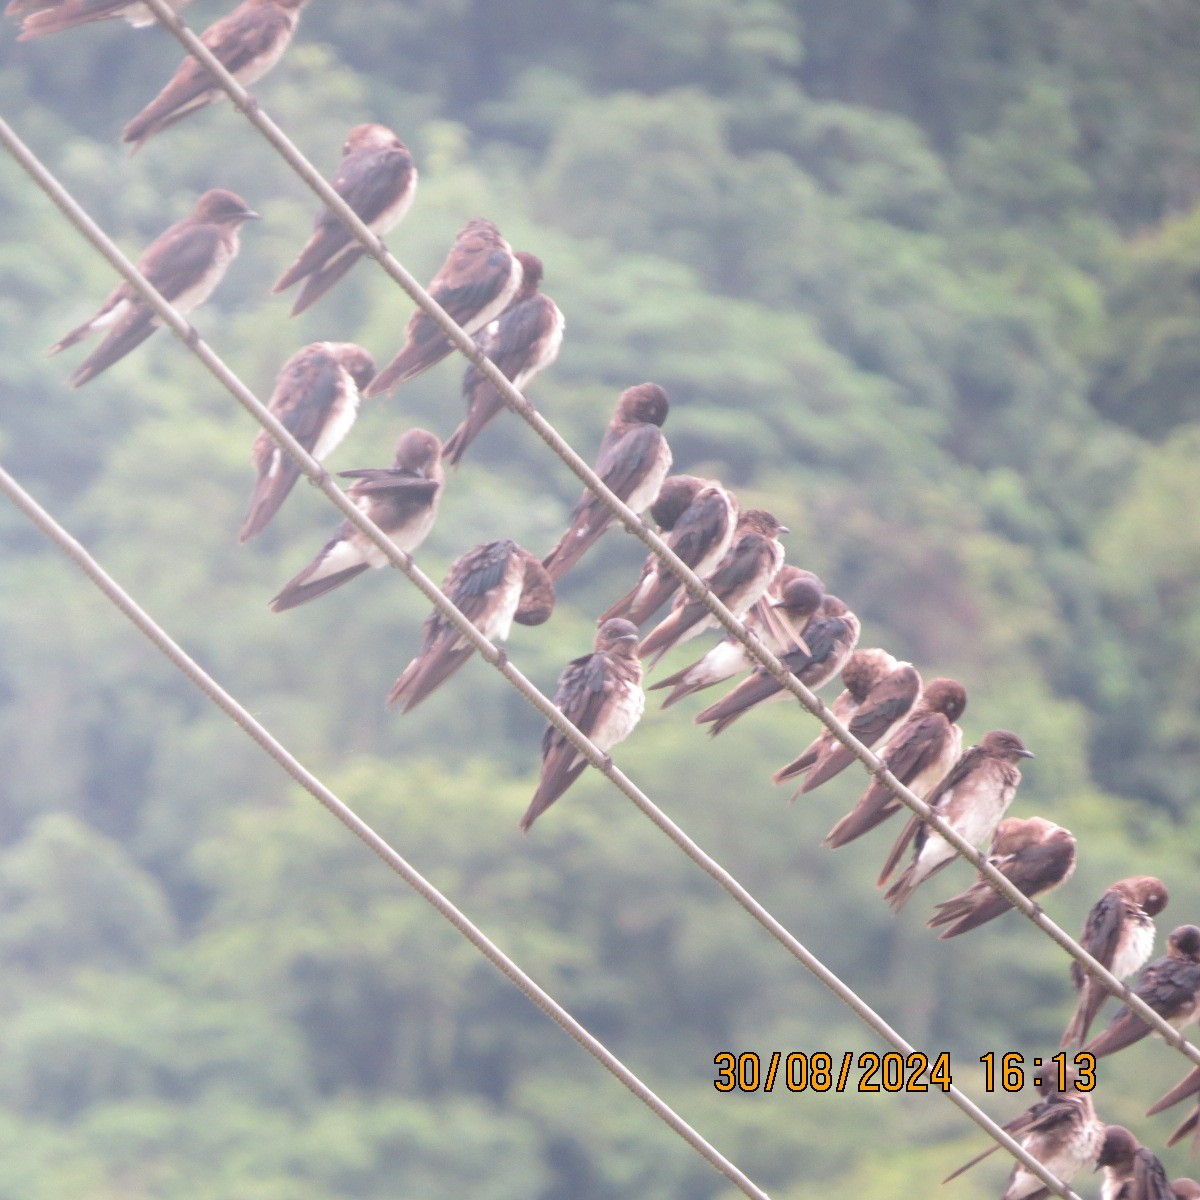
x=375 y=248
x=45 y=179
x=415 y=880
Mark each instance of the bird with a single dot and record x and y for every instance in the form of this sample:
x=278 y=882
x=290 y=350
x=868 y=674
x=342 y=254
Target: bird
x=1170 y=986
x=248 y=42
x=377 y=178
x=698 y=518
x=44 y=17
x=474 y=286
x=920 y=755
x=1119 y=932
x=316 y=399
x=633 y=461
x=830 y=638
x=739 y=581
x=972 y=800
x=492 y=585
x=601 y=695
x=795 y=593
x=879 y=695
x=1033 y=854
x=1061 y=1131
x=522 y=341
x=1131 y=1172
x=401 y=499
x=184 y=263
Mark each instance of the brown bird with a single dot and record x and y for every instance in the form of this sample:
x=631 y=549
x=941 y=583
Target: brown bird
x=316 y=399
x=634 y=460
x=972 y=800
x=1170 y=985
x=601 y=695
x=474 y=286
x=184 y=263
x=1033 y=854
x=696 y=518
x=378 y=180
x=402 y=500
x=920 y=754
x=492 y=586
x=795 y=596
x=44 y=17
x=830 y=638
x=879 y=695
x=522 y=341
x=1119 y=932
x=739 y=582
x=248 y=42
x=1131 y=1172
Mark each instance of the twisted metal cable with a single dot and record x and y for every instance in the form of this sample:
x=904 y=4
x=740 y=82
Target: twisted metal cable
x=403 y=561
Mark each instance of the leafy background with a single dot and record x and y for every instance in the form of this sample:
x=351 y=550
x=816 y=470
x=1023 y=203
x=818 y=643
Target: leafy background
x=921 y=277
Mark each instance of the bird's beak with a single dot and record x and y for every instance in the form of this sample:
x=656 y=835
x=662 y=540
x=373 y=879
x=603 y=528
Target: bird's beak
x=1026 y=754
x=630 y=637
x=251 y=216
x=784 y=529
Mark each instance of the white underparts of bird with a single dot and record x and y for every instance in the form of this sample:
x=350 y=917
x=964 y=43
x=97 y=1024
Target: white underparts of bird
x=972 y=799
x=316 y=399
x=601 y=695
x=185 y=263
x=402 y=500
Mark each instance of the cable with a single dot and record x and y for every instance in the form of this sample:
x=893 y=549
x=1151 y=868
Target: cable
x=404 y=562
x=374 y=246
x=307 y=780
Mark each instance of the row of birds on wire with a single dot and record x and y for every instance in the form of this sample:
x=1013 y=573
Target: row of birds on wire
x=494 y=294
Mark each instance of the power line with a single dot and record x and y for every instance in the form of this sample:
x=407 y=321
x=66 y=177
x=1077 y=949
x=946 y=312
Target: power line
x=415 y=880
x=602 y=762
x=375 y=248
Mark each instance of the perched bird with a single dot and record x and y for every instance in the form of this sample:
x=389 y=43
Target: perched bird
x=633 y=461
x=795 y=594
x=1037 y=1114
x=972 y=800
x=248 y=42
x=44 y=17
x=1062 y=1132
x=830 y=636
x=184 y=263
x=1033 y=854
x=920 y=755
x=698 y=517
x=401 y=499
x=316 y=399
x=474 y=285
x=522 y=341
x=1131 y=1172
x=879 y=695
x=740 y=580
x=1119 y=932
x=492 y=586
x=1170 y=985
x=601 y=695
x=378 y=180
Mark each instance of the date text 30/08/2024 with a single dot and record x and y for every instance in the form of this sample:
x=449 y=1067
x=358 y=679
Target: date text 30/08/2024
x=892 y=1072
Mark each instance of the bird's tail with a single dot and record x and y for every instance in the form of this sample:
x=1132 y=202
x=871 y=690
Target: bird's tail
x=269 y=494
x=873 y=809
x=1187 y=1086
x=114 y=347
x=418 y=355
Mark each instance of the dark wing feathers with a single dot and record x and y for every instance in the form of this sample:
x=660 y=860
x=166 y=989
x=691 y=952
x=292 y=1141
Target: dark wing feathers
x=1101 y=932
